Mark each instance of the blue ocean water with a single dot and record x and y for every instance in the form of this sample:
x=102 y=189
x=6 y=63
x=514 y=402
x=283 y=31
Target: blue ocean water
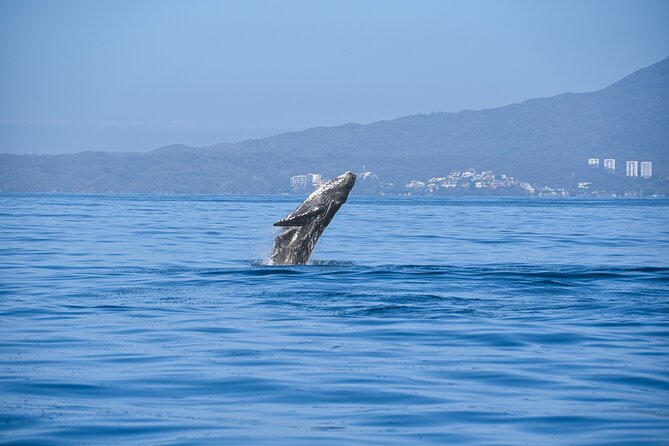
x=136 y=319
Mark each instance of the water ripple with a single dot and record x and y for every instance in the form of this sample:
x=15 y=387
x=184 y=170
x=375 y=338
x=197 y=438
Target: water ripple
x=148 y=320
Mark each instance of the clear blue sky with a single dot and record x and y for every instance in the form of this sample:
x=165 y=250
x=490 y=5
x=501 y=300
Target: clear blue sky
x=135 y=75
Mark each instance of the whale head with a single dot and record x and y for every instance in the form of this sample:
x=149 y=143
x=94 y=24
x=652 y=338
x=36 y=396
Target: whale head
x=323 y=203
x=337 y=189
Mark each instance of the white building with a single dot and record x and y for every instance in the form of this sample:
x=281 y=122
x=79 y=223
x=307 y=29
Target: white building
x=593 y=162
x=298 y=181
x=303 y=181
x=316 y=179
x=415 y=184
x=610 y=164
x=632 y=169
x=646 y=169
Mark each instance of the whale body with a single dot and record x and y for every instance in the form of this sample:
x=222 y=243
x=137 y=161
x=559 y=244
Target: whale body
x=303 y=226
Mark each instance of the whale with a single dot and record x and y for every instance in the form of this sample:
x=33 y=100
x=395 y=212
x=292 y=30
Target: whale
x=302 y=228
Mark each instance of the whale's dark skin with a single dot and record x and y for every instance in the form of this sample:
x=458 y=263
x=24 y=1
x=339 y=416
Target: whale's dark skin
x=303 y=227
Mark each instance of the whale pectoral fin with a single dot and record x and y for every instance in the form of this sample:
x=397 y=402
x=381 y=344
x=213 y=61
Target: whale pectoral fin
x=301 y=219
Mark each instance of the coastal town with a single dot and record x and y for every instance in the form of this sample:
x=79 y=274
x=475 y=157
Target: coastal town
x=489 y=183
x=455 y=183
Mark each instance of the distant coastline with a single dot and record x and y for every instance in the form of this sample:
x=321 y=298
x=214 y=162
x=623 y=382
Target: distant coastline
x=564 y=145
x=301 y=196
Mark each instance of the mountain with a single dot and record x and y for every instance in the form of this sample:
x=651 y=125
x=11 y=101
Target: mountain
x=543 y=141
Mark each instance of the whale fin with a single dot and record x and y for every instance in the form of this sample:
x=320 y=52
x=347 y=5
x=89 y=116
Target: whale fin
x=301 y=219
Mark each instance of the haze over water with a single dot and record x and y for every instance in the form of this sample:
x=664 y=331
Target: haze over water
x=152 y=319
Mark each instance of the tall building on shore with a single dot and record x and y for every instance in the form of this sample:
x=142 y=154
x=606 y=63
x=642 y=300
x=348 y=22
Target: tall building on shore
x=298 y=181
x=316 y=179
x=632 y=168
x=593 y=162
x=303 y=182
x=610 y=164
x=646 y=169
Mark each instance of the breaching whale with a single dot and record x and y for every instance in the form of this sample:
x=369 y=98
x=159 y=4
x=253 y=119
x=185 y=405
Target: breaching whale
x=303 y=227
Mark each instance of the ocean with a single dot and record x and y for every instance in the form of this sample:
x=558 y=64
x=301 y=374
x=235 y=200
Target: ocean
x=155 y=320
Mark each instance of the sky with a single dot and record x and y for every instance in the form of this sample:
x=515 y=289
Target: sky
x=136 y=75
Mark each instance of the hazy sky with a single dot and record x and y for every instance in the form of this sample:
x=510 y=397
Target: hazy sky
x=135 y=75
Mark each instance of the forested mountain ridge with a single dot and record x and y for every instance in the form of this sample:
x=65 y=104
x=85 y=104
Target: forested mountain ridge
x=545 y=140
